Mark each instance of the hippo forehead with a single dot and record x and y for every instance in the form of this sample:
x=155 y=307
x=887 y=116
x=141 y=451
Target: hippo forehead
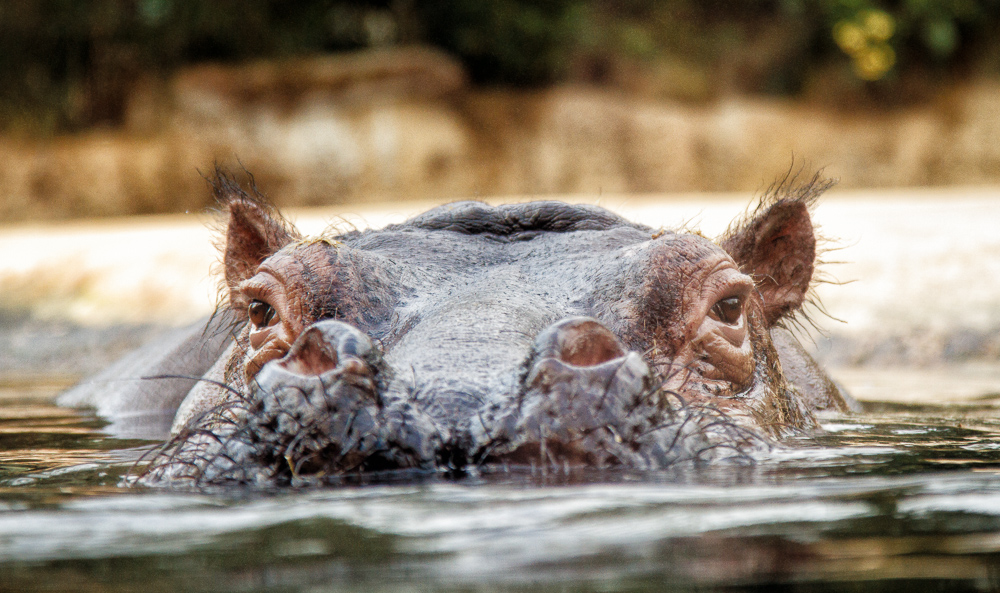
x=521 y=266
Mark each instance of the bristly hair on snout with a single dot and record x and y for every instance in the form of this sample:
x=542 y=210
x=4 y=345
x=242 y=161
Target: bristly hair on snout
x=221 y=449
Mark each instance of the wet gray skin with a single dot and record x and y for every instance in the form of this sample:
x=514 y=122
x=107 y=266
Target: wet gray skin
x=474 y=338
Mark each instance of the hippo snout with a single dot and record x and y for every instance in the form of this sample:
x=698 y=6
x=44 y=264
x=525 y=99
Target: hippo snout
x=325 y=385
x=326 y=408
x=316 y=409
x=332 y=406
x=584 y=401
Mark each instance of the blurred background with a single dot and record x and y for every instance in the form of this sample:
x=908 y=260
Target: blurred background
x=116 y=107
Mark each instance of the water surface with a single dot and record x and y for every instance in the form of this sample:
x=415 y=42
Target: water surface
x=901 y=497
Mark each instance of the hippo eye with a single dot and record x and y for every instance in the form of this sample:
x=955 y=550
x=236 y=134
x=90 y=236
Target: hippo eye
x=261 y=314
x=728 y=310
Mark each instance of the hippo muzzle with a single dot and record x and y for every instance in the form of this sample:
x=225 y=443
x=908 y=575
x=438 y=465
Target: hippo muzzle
x=328 y=409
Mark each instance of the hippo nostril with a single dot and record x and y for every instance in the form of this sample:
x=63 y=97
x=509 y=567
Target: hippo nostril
x=326 y=345
x=579 y=341
x=311 y=355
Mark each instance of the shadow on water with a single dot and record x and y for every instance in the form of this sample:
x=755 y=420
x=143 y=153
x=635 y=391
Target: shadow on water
x=898 y=498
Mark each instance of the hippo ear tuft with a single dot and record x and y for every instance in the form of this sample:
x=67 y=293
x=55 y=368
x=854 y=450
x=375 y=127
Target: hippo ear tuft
x=776 y=245
x=254 y=230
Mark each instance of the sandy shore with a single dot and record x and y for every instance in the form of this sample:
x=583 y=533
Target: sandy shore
x=918 y=270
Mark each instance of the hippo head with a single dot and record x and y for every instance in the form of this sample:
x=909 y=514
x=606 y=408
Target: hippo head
x=474 y=337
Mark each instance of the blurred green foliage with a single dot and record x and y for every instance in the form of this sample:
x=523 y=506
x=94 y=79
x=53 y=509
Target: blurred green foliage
x=69 y=64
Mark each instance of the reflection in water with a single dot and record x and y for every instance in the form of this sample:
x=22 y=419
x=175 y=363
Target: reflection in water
x=897 y=498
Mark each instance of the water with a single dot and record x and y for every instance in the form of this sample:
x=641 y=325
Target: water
x=901 y=497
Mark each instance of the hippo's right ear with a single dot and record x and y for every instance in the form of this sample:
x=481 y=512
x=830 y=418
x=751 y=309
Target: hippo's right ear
x=255 y=231
x=776 y=245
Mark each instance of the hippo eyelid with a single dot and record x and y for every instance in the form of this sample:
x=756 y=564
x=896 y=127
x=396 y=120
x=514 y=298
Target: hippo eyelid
x=264 y=288
x=260 y=286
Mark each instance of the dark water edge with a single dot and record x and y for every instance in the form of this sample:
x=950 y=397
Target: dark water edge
x=899 y=498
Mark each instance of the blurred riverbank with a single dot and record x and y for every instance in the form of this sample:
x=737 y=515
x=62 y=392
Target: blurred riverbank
x=915 y=292
x=405 y=124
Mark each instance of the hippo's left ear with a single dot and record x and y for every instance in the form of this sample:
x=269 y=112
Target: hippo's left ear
x=776 y=245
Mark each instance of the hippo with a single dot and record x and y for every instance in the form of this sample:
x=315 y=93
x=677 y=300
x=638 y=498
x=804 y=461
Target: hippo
x=476 y=338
